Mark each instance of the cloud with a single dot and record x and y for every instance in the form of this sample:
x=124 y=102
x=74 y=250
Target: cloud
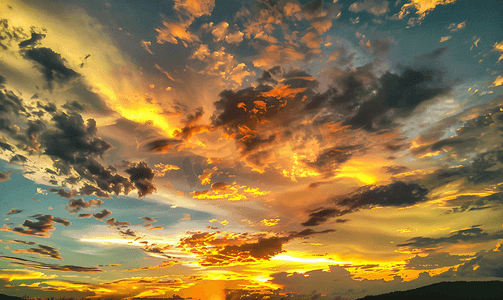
x=41 y=228
x=187 y=11
x=42 y=250
x=162 y=169
x=422 y=9
x=164 y=264
x=148 y=219
x=485 y=264
x=51 y=65
x=10 y=103
x=205 y=177
x=221 y=64
x=397 y=194
x=330 y=159
x=400 y=94
x=63 y=193
x=33 y=41
x=186 y=217
x=141 y=176
x=498 y=47
x=84 y=216
x=453 y=27
x=220 y=187
x=371 y=6
x=75 y=206
x=43 y=266
x=14 y=211
x=23 y=274
x=102 y=214
x=191 y=126
x=146 y=45
x=156 y=228
x=162 y=145
x=232 y=249
x=435 y=261
x=474 y=234
x=112 y=222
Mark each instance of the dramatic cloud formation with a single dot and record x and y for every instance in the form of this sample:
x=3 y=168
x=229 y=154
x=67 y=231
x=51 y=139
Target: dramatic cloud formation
x=249 y=150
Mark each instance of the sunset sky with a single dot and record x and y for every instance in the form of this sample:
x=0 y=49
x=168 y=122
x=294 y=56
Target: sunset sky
x=202 y=147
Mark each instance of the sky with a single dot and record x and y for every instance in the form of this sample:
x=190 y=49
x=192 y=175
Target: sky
x=252 y=149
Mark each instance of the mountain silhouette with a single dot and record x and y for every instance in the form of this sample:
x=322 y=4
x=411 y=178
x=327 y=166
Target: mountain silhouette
x=459 y=290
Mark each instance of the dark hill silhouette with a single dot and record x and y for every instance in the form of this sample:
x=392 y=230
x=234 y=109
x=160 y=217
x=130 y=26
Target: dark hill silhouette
x=459 y=290
x=5 y=297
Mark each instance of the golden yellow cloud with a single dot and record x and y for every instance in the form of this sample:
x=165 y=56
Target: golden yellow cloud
x=23 y=274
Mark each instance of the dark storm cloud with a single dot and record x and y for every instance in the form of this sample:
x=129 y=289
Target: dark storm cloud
x=35 y=38
x=52 y=65
x=270 y=76
x=18 y=158
x=230 y=113
x=5 y=146
x=484 y=169
x=43 y=266
x=49 y=107
x=9 y=34
x=400 y=94
x=102 y=214
x=485 y=264
x=435 y=261
x=468 y=203
x=474 y=133
x=90 y=190
x=14 y=211
x=73 y=140
x=163 y=145
x=397 y=194
x=395 y=169
x=10 y=103
x=263 y=249
x=300 y=79
x=473 y=234
x=73 y=106
x=308 y=232
x=141 y=176
x=39 y=228
x=330 y=159
x=191 y=127
x=75 y=206
x=106 y=179
x=322 y=215
x=42 y=250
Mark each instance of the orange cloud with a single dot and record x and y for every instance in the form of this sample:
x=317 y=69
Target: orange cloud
x=498 y=47
x=156 y=228
x=188 y=11
x=422 y=9
x=207 y=174
x=498 y=81
x=270 y=222
x=445 y=38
